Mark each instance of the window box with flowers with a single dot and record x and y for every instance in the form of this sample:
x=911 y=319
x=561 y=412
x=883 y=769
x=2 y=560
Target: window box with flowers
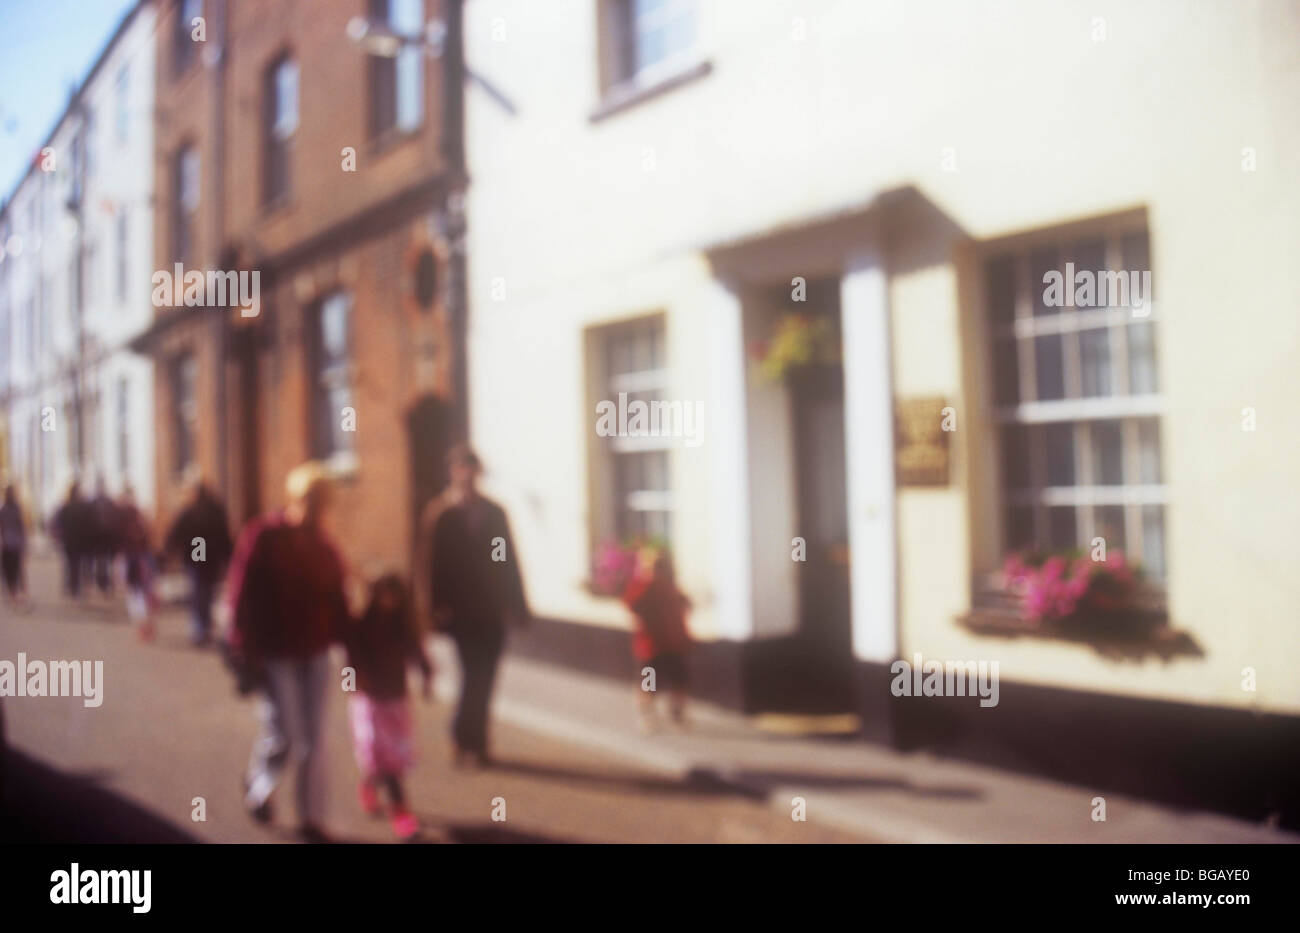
x=1067 y=595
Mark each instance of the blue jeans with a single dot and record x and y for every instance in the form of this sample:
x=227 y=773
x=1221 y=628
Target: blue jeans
x=292 y=729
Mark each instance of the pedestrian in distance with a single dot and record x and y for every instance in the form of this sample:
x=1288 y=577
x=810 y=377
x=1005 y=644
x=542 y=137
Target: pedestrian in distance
x=381 y=645
x=475 y=591
x=139 y=570
x=200 y=539
x=13 y=549
x=104 y=533
x=660 y=640
x=287 y=603
x=72 y=528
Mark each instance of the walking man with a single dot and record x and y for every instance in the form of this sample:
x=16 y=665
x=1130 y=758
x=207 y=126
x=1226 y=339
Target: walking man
x=474 y=591
x=287 y=600
x=200 y=537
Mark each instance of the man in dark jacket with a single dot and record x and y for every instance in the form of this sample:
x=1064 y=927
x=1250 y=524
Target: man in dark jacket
x=200 y=537
x=474 y=590
x=72 y=526
x=105 y=534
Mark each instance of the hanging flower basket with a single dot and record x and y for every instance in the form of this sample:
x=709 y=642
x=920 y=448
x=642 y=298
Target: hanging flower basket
x=798 y=340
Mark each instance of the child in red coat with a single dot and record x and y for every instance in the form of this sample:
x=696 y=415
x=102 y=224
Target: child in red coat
x=660 y=640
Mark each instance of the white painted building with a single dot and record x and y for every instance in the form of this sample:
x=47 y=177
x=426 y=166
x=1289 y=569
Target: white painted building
x=77 y=287
x=665 y=171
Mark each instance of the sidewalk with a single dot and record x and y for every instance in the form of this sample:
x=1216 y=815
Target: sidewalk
x=846 y=783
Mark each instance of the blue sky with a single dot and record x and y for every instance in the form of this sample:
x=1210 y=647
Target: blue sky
x=46 y=46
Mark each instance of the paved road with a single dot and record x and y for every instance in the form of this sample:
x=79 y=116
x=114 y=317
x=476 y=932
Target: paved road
x=172 y=729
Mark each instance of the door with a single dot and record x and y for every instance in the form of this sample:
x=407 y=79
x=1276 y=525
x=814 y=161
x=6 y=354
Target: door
x=823 y=646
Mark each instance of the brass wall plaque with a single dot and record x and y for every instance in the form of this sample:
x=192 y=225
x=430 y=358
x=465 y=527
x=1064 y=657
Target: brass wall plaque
x=920 y=441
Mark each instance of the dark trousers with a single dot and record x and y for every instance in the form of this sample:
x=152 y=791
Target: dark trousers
x=202 y=587
x=72 y=561
x=103 y=559
x=480 y=653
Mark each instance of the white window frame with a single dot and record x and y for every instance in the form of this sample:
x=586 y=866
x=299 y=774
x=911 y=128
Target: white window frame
x=633 y=381
x=1075 y=409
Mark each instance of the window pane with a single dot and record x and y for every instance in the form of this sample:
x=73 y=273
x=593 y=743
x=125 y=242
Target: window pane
x=1061 y=527
x=1006 y=372
x=1015 y=456
x=1020 y=527
x=1060 y=454
x=1001 y=289
x=1089 y=256
x=1149 y=451
x=1094 y=353
x=334 y=328
x=1042 y=261
x=410 y=88
x=1108 y=523
x=286 y=99
x=1141 y=358
x=1107 y=454
x=1136 y=250
x=1153 y=541
x=189 y=179
x=1051 y=378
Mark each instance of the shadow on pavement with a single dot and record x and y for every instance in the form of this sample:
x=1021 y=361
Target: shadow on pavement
x=43 y=805
x=698 y=781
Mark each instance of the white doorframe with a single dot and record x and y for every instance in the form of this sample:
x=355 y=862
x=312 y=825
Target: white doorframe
x=869 y=442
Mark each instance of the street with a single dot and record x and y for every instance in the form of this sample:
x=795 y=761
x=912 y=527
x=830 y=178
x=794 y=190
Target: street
x=172 y=729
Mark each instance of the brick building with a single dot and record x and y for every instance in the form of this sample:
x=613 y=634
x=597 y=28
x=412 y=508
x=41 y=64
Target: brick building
x=284 y=148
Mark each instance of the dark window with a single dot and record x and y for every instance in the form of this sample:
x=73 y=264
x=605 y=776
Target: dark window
x=185 y=410
x=186 y=49
x=653 y=38
x=185 y=203
x=397 y=83
x=281 y=95
x=332 y=383
x=121 y=254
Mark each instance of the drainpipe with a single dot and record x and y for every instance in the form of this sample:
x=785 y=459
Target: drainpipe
x=218 y=236
x=453 y=145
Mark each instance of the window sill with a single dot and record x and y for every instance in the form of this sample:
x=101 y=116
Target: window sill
x=391 y=139
x=1135 y=632
x=625 y=95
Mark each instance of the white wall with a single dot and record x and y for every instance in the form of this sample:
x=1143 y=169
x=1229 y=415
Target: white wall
x=594 y=221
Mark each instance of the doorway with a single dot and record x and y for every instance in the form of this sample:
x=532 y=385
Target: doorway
x=810 y=670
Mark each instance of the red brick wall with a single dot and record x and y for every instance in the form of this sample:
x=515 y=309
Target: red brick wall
x=392 y=360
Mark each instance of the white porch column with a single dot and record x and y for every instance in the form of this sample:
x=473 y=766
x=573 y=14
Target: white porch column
x=727 y=444
x=869 y=444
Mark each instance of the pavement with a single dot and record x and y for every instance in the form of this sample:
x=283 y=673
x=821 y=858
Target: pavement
x=573 y=766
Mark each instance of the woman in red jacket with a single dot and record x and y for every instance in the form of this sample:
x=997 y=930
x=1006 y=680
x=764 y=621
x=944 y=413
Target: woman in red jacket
x=660 y=640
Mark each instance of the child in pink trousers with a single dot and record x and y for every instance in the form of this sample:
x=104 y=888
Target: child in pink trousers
x=380 y=647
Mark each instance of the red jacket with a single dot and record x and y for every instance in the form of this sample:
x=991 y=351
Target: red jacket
x=660 y=610
x=285 y=590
